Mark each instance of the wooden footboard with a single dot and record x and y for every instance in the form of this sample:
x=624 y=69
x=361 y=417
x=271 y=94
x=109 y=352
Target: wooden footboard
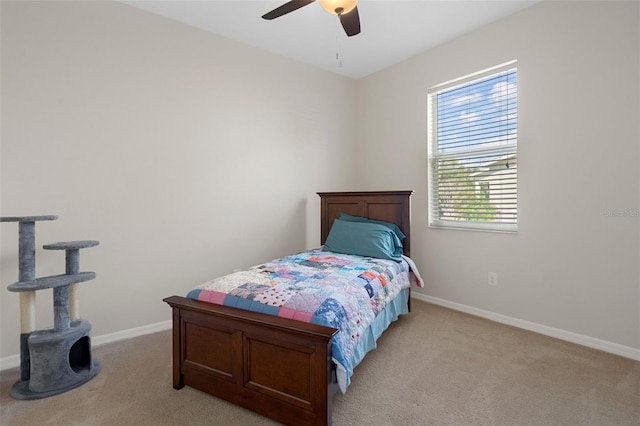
x=274 y=366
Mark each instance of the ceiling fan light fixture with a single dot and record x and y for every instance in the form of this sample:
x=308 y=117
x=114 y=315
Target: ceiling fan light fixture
x=338 y=7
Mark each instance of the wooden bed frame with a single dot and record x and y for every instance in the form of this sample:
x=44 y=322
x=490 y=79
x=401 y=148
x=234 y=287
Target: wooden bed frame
x=229 y=352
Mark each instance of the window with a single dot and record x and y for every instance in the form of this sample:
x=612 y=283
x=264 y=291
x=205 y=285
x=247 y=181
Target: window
x=473 y=139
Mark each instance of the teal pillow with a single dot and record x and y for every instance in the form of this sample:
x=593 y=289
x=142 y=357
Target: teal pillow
x=395 y=228
x=363 y=239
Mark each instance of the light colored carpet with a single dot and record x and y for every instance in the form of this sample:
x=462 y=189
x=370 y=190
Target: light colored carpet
x=433 y=367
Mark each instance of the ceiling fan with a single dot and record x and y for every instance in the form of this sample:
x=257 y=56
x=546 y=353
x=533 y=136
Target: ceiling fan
x=346 y=10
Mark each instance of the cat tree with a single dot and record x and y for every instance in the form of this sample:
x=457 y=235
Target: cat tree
x=56 y=360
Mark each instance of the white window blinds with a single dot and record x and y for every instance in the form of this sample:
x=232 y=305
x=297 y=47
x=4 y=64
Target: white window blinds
x=473 y=138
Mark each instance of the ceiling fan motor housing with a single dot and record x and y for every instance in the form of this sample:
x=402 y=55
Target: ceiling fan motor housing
x=338 y=7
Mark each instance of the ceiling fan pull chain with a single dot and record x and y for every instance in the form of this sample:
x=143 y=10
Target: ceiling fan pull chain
x=338 y=46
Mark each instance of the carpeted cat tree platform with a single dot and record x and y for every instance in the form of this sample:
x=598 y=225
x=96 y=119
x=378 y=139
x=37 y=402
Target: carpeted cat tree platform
x=56 y=360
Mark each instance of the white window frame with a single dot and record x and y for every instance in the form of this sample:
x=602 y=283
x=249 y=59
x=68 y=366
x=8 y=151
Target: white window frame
x=435 y=219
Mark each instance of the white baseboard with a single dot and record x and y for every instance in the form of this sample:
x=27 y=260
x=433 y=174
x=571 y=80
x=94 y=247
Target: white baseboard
x=13 y=361
x=10 y=361
x=580 y=339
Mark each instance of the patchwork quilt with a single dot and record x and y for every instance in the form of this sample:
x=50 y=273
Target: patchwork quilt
x=336 y=290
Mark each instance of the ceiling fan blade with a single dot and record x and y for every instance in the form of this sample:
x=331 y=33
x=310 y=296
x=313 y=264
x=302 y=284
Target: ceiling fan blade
x=286 y=8
x=351 y=22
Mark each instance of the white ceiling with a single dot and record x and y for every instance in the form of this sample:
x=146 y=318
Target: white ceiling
x=392 y=30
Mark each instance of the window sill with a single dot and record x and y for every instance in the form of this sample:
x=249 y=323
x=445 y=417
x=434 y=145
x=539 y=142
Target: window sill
x=470 y=226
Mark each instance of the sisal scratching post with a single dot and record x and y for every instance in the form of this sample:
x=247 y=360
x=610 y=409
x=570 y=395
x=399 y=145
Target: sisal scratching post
x=27 y=326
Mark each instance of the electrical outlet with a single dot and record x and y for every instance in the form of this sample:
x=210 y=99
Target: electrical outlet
x=492 y=280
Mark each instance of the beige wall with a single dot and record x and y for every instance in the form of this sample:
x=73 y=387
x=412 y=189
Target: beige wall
x=574 y=264
x=185 y=154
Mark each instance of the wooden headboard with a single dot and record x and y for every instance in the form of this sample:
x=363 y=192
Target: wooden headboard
x=390 y=206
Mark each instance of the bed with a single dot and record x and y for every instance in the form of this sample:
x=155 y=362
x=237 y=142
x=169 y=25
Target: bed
x=229 y=352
